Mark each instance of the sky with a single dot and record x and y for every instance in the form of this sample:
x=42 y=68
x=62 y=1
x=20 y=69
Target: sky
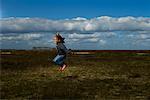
x=60 y=9
x=85 y=24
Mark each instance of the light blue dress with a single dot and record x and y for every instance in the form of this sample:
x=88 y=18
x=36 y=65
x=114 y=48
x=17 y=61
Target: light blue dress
x=61 y=54
x=59 y=59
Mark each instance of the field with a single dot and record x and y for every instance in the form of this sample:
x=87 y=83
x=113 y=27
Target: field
x=102 y=75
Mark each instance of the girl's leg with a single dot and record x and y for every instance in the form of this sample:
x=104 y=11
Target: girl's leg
x=63 y=66
x=59 y=60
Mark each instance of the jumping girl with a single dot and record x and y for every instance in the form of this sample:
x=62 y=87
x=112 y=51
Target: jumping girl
x=61 y=51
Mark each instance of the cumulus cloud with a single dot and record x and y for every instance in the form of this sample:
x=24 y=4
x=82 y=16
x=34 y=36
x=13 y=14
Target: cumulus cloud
x=92 y=37
x=77 y=40
x=96 y=38
x=29 y=36
x=140 y=35
x=77 y=37
x=83 y=36
x=98 y=24
x=101 y=32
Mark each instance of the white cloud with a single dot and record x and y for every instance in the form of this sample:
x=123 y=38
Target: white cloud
x=29 y=36
x=139 y=35
x=95 y=40
x=101 y=32
x=91 y=35
x=79 y=18
x=144 y=36
x=103 y=42
x=82 y=36
x=99 y=24
x=99 y=38
x=141 y=38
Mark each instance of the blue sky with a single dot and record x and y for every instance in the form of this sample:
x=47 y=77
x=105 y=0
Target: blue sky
x=58 y=9
x=90 y=24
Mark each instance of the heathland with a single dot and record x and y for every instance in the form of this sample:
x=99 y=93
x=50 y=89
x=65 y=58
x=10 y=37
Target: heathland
x=98 y=75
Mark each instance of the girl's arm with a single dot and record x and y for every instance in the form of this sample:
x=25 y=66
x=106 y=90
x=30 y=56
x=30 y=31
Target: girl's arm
x=63 y=47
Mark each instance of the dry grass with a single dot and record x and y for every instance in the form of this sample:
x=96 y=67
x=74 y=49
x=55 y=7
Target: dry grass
x=32 y=75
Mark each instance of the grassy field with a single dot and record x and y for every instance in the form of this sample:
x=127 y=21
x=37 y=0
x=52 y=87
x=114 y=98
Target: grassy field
x=103 y=75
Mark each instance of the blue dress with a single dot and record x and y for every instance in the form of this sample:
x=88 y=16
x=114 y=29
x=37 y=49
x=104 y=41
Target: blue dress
x=61 y=54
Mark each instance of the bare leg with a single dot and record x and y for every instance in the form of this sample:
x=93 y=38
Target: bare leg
x=63 y=67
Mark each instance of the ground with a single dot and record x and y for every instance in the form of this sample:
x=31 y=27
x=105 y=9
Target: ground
x=104 y=75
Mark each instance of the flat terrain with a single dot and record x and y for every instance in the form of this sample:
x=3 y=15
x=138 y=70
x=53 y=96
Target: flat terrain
x=102 y=75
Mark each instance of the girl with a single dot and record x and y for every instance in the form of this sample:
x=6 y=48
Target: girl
x=61 y=52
